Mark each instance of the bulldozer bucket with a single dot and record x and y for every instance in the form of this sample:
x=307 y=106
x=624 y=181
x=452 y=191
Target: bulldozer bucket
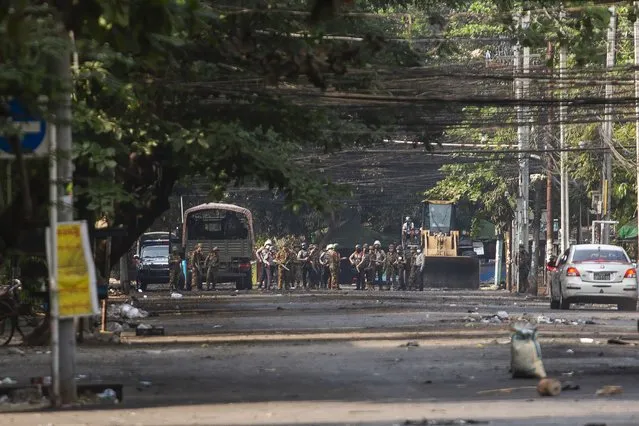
x=451 y=272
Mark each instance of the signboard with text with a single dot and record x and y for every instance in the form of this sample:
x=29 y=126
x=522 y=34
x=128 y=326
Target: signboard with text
x=75 y=271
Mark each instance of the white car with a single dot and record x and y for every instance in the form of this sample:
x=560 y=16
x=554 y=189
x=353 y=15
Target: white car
x=594 y=273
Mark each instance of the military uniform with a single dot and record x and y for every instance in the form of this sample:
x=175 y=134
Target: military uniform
x=324 y=269
x=333 y=267
x=281 y=258
x=212 y=265
x=197 y=263
x=401 y=269
x=379 y=258
x=414 y=270
x=390 y=269
x=303 y=257
x=174 y=270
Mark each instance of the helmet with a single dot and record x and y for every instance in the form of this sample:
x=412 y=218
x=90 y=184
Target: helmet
x=268 y=243
x=365 y=245
x=407 y=218
x=215 y=249
x=304 y=246
x=377 y=243
x=334 y=245
x=357 y=246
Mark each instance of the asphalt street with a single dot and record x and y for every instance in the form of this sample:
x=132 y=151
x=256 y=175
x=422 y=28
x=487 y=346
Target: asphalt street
x=348 y=357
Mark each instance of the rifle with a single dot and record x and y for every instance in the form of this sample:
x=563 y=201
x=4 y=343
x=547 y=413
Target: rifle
x=281 y=264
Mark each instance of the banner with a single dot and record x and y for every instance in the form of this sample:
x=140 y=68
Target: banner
x=75 y=271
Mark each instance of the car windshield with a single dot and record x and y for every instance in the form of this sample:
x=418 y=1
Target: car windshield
x=599 y=255
x=154 y=251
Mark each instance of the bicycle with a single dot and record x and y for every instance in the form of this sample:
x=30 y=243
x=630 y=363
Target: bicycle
x=19 y=315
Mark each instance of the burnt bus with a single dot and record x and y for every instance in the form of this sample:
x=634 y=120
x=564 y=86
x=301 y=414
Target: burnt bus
x=227 y=227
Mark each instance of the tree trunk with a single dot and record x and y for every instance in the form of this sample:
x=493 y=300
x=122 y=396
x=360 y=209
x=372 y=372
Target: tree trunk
x=509 y=269
x=536 y=228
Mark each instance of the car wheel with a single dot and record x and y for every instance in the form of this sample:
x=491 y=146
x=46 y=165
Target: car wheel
x=564 y=305
x=554 y=304
x=630 y=305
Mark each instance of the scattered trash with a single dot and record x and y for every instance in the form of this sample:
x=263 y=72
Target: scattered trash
x=568 y=374
x=570 y=351
x=8 y=381
x=108 y=394
x=587 y=340
x=609 y=390
x=620 y=342
x=126 y=310
x=115 y=327
x=149 y=330
x=502 y=315
x=525 y=352
x=16 y=351
x=411 y=344
x=570 y=386
x=217 y=326
x=145 y=383
x=175 y=295
x=549 y=387
x=140 y=290
x=544 y=320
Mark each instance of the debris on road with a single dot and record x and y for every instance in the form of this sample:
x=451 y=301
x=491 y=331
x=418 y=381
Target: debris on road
x=570 y=386
x=109 y=395
x=549 y=387
x=16 y=351
x=115 y=327
x=504 y=390
x=502 y=315
x=126 y=310
x=570 y=351
x=411 y=344
x=175 y=295
x=149 y=330
x=525 y=352
x=609 y=390
x=587 y=340
x=620 y=341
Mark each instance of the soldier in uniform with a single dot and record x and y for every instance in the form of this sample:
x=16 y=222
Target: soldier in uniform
x=390 y=268
x=333 y=266
x=414 y=269
x=401 y=268
x=174 y=269
x=522 y=259
x=355 y=259
x=379 y=258
x=281 y=259
x=197 y=263
x=304 y=258
x=260 y=254
x=323 y=267
x=369 y=266
x=212 y=264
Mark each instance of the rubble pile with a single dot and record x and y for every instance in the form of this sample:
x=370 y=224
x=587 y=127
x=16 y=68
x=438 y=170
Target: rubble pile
x=502 y=317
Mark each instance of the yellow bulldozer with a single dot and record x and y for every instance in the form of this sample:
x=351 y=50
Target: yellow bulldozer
x=446 y=263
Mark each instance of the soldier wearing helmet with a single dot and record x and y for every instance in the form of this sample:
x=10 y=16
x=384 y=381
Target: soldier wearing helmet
x=304 y=258
x=408 y=230
x=390 y=268
x=197 y=265
x=379 y=259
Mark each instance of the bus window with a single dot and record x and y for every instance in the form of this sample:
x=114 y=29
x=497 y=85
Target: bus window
x=216 y=225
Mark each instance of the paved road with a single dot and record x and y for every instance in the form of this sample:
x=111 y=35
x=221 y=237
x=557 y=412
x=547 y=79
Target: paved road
x=326 y=358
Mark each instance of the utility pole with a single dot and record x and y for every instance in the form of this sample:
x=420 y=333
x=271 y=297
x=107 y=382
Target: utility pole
x=606 y=181
x=550 y=54
x=66 y=328
x=514 y=244
x=523 y=137
x=565 y=205
x=636 y=37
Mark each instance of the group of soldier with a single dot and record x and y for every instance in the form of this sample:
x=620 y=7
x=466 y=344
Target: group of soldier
x=318 y=267
x=204 y=269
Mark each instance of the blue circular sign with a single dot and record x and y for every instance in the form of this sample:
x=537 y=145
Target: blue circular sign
x=33 y=129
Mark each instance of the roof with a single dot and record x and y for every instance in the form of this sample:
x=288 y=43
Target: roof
x=596 y=246
x=220 y=206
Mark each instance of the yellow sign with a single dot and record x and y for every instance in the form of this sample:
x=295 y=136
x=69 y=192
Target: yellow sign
x=75 y=271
